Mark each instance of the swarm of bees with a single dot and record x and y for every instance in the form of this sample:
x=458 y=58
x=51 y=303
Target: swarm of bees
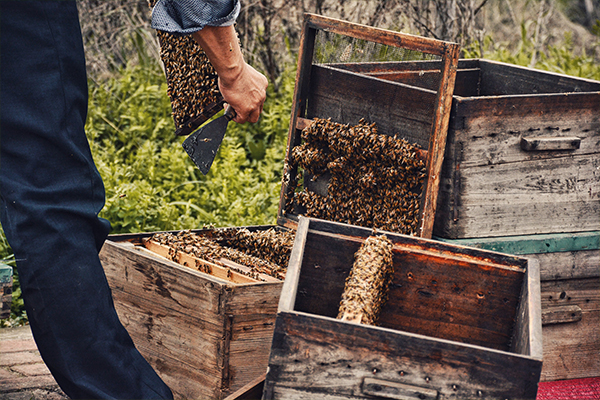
x=367 y=284
x=375 y=180
x=264 y=252
x=191 y=79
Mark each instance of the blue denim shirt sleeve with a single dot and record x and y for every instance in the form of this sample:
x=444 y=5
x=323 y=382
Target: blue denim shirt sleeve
x=188 y=16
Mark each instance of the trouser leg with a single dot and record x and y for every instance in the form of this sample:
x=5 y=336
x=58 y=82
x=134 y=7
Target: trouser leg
x=51 y=194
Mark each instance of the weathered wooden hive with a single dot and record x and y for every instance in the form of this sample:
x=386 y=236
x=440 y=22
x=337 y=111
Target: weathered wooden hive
x=521 y=175
x=460 y=322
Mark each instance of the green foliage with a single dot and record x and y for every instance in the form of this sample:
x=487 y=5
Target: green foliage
x=562 y=58
x=17 y=308
x=150 y=182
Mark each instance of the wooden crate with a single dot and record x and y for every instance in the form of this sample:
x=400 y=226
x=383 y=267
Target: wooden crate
x=6 y=281
x=460 y=323
x=206 y=336
x=326 y=90
x=522 y=154
x=522 y=151
x=570 y=289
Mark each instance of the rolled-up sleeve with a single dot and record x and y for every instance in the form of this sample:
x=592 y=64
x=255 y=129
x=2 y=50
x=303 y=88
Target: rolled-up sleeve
x=188 y=16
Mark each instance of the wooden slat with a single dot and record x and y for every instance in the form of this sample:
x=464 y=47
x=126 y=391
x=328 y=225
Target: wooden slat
x=521 y=198
x=506 y=79
x=377 y=35
x=561 y=315
x=219 y=271
x=314 y=355
x=396 y=108
x=572 y=350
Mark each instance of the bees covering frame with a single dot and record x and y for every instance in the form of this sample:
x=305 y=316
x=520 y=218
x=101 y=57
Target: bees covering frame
x=263 y=252
x=374 y=180
x=192 y=82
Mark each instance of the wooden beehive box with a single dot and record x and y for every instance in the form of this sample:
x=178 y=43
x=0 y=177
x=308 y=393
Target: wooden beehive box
x=460 y=323
x=206 y=335
x=521 y=175
x=522 y=154
x=326 y=89
x=570 y=290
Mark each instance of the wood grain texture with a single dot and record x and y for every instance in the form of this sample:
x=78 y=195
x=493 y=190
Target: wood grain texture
x=383 y=36
x=326 y=358
x=316 y=356
x=572 y=349
x=205 y=336
x=346 y=97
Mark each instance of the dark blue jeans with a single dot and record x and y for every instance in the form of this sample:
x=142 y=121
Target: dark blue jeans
x=51 y=193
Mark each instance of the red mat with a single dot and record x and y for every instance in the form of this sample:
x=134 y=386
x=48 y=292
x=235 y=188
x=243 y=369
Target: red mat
x=573 y=389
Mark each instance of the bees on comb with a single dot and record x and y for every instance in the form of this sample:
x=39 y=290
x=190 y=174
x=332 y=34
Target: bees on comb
x=374 y=180
x=366 y=287
x=264 y=252
x=191 y=80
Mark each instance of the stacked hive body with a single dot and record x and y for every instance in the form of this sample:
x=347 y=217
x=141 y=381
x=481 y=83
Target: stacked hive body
x=200 y=305
x=521 y=175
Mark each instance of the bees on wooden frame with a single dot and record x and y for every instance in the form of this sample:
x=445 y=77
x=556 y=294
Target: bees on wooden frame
x=366 y=287
x=375 y=180
x=191 y=79
x=264 y=252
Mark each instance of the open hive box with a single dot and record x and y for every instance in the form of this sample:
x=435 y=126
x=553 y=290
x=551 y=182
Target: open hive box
x=459 y=323
x=206 y=327
x=521 y=175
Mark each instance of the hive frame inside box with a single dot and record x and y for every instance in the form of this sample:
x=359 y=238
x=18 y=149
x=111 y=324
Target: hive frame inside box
x=320 y=92
x=316 y=355
x=205 y=336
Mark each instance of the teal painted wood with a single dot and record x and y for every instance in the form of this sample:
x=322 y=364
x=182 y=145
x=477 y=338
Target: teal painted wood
x=6 y=273
x=534 y=244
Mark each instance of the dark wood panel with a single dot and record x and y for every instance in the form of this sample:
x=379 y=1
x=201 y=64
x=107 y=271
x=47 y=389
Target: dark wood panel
x=318 y=355
x=506 y=79
x=346 y=97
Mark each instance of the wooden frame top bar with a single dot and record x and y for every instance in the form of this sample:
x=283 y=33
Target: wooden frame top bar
x=378 y=35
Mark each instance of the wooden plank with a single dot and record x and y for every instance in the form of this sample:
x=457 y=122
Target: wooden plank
x=521 y=198
x=287 y=300
x=572 y=350
x=485 y=140
x=561 y=315
x=346 y=97
x=569 y=265
x=437 y=144
x=154 y=278
x=534 y=244
x=319 y=355
x=377 y=35
x=506 y=79
x=527 y=333
x=548 y=143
